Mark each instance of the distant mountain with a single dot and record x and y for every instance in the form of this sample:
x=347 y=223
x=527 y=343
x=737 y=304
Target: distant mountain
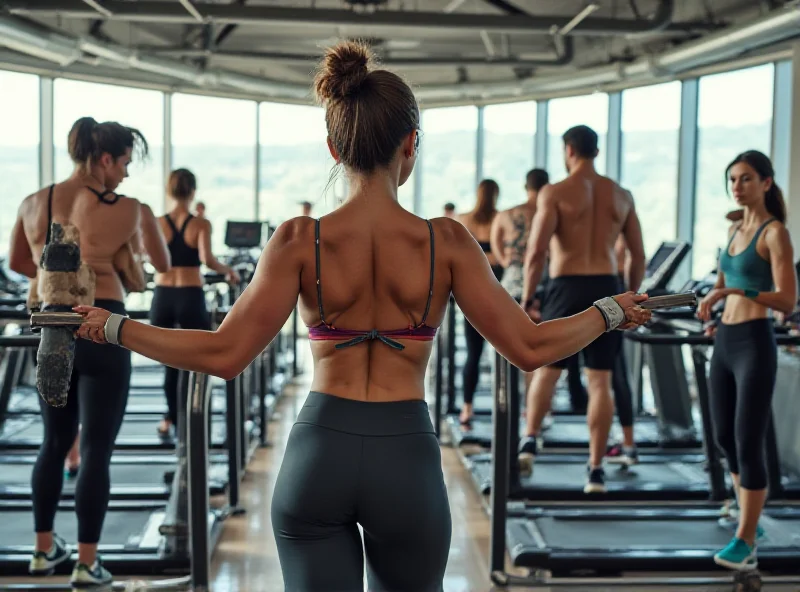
x=290 y=174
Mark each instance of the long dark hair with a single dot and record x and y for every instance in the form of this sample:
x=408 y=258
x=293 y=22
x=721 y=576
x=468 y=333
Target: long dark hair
x=761 y=164
x=486 y=206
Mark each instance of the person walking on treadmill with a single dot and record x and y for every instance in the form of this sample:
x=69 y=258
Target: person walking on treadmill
x=578 y=221
x=179 y=298
x=479 y=222
x=100 y=377
x=374 y=282
x=509 y=238
x=756 y=275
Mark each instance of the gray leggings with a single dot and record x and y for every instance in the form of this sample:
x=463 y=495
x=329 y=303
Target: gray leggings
x=375 y=465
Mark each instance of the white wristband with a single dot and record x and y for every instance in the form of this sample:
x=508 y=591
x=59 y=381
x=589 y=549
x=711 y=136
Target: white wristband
x=112 y=327
x=612 y=312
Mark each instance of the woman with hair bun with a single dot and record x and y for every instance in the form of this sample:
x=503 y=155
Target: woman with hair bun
x=179 y=299
x=98 y=393
x=373 y=282
x=756 y=275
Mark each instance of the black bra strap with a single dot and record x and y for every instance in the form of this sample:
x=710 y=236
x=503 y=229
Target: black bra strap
x=171 y=224
x=319 y=284
x=185 y=224
x=49 y=214
x=430 y=286
x=102 y=196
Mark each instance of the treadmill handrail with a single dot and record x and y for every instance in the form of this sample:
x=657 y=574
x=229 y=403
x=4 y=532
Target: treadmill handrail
x=19 y=340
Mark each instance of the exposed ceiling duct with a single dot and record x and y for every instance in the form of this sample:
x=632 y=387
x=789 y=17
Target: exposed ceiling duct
x=222 y=14
x=63 y=50
x=779 y=25
x=565 y=52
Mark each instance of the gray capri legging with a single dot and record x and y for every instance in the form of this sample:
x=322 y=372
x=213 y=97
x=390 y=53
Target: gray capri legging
x=377 y=465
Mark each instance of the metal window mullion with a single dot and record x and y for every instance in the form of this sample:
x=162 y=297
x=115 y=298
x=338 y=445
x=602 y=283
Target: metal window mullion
x=47 y=164
x=541 y=138
x=614 y=137
x=687 y=165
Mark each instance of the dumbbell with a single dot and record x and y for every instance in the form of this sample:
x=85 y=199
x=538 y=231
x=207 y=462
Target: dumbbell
x=66 y=320
x=670 y=301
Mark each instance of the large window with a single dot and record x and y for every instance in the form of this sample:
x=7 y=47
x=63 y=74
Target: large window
x=19 y=146
x=651 y=118
x=734 y=114
x=508 y=148
x=216 y=139
x=296 y=164
x=562 y=114
x=140 y=109
x=448 y=159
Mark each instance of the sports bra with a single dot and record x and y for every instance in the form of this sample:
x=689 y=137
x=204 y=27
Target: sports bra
x=182 y=254
x=100 y=195
x=326 y=332
x=747 y=270
x=486 y=246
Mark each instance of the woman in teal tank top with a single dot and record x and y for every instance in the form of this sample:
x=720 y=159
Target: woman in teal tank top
x=756 y=275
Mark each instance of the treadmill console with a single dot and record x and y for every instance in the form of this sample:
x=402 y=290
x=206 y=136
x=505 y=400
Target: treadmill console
x=243 y=235
x=662 y=266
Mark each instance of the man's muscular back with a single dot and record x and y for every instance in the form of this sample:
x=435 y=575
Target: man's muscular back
x=591 y=212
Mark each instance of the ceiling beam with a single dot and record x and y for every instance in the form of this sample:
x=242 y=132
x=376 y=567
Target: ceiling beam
x=563 y=55
x=98 y=7
x=223 y=14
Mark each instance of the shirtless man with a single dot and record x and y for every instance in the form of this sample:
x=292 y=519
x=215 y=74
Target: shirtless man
x=578 y=221
x=509 y=239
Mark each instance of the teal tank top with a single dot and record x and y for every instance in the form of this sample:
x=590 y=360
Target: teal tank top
x=748 y=270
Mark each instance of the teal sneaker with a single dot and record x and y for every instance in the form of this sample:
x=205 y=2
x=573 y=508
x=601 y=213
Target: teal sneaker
x=84 y=576
x=44 y=563
x=737 y=555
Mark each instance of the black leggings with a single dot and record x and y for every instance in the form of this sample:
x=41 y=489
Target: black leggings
x=742 y=376
x=98 y=394
x=474 y=351
x=377 y=465
x=184 y=308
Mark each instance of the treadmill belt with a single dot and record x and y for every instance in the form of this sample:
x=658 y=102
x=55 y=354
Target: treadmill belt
x=136 y=432
x=120 y=527
x=563 y=478
x=640 y=534
x=567 y=431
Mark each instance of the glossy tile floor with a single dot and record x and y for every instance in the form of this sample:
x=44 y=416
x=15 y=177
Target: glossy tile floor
x=246 y=558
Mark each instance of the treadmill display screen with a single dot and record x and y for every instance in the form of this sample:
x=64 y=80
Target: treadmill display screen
x=660 y=257
x=243 y=235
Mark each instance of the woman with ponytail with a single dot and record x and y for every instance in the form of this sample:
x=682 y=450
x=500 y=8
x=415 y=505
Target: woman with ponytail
x=100 y=380
x=756 y=275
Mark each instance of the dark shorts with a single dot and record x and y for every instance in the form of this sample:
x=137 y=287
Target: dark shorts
x=571 y=294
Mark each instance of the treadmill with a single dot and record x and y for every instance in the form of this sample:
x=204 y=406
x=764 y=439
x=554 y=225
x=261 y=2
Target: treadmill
x=139 y=538
x=673 y=428
x=605 y=539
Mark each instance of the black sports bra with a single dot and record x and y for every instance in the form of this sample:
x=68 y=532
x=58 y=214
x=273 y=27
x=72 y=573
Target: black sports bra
x=486 y=246
x=182 y=254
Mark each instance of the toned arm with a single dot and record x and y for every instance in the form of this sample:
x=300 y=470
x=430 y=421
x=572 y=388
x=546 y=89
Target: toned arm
x=20 y=257
x=153 y=240
x=497 y=316
x=635 y=261
x=497 y=238
x=543 y=227
x=252 y=323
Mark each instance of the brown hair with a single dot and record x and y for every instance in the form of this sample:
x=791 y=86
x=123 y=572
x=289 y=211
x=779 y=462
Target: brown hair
x=368 y=112
x=181 y=184
x=88 y=140
x=486 y=206
x=762 y=165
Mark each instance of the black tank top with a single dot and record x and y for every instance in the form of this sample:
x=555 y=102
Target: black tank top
x=182 y=254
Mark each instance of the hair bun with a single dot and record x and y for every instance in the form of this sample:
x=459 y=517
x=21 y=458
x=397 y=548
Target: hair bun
x=343 y=70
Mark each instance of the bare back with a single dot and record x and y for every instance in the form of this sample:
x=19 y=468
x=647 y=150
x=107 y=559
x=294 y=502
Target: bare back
x=374 y=274
x=592 y=211
x=104 y=228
